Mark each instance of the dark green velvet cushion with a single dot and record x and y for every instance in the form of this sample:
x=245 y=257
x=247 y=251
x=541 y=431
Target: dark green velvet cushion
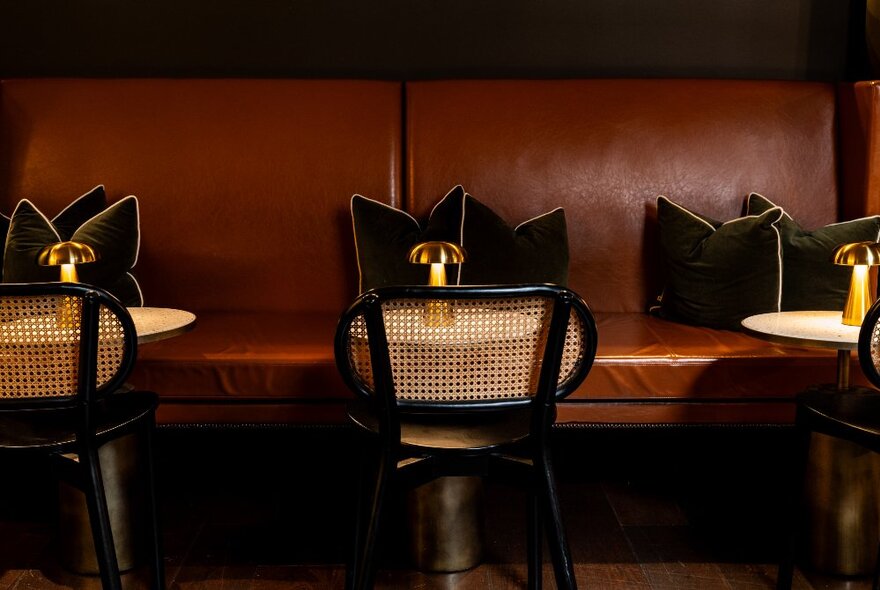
x=66 y=222
x=384 y=236
x=4 y=229
x=114 y=233
x=535 y=251
x=719 y=273
x=79 y=211
x=810 y=281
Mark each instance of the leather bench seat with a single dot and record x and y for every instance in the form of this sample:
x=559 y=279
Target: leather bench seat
x=279 y=368
x=244 y=189
x=256 y=367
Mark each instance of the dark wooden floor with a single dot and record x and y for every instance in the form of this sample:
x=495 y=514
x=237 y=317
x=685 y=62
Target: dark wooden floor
x=265 y=509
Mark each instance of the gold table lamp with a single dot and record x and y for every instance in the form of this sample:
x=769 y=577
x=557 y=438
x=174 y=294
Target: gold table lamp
x=437 y=254
x=862 y=291
x=67 y=255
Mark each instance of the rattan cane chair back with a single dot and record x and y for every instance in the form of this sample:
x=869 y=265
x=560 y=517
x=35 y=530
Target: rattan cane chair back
x=63 y=348
x=459 y=346
x=869 y=345
x=44 y=343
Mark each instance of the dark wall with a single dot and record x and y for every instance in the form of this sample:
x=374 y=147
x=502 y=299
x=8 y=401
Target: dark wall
x=788 y=39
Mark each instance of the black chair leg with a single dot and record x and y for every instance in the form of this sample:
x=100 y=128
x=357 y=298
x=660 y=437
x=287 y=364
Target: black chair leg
x=360 y=504
x=563 y=567
x=535 y=538
x=876 y=584
x=365 y=565
x=153 y=505
x=99 y=518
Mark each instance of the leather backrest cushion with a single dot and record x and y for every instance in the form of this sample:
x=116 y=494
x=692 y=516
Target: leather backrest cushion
x=244 y=185
x=605 y=149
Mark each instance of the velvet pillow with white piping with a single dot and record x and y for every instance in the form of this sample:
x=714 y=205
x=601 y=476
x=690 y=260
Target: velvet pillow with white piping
x=114 y=233
x=4 y=229
x=810 y=280
x=719 y=273
x=384 y=236
x=535 y=251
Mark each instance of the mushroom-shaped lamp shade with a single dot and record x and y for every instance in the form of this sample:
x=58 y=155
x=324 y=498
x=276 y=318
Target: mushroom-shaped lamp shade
x=862 y=291
x=437 y=254
x=67 y=255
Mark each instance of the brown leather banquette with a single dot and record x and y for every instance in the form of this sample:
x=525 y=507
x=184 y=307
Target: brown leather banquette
x=244 y=189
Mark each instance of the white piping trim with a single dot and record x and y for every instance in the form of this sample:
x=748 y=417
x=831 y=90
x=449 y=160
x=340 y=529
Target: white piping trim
x=82 y=196
x=538 y=217
x=393 y=208
x=772 y=204
x=107 y=211
x=40 y=213
x=747 y=217
x=852 y=220
x=446 y=196
x=677 y=206
x=461 y=236
x=357 y=254
x=773 y=224
x=785 y=213
x=779 y=264
x=138 y=287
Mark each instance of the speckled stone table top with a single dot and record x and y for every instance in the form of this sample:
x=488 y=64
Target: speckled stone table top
x=821 y=329
x=159 y=323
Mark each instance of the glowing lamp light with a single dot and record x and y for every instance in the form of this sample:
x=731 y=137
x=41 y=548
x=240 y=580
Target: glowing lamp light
x=437 y=254
x=67 y=255
x=862 y=291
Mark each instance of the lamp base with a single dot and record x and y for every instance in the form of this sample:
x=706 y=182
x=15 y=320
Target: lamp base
x=862 y=293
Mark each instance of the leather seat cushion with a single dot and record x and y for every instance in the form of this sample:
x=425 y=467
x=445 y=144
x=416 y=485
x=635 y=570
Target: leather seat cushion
x=278 y=357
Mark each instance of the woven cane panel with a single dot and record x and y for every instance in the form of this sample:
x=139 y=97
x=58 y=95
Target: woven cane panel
x=465 y=350
x=875 y=346
x=39 y=346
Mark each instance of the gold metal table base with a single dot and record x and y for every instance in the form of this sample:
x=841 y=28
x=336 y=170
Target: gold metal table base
x=843 y=506
x=118 y=470
x=446 y=524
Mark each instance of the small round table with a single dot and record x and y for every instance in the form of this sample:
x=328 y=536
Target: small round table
x=817 y=329
x=119 y=463
x=158 y=323
x=841 y=494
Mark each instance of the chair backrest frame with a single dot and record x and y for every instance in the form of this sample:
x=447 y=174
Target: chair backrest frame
x=87 y=389
x=369 y=305
x=866 y=336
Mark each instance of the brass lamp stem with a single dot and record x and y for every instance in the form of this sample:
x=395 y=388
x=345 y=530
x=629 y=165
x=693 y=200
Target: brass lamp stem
x=438 y=313
x=68 y=273
x=861 y=295
x=438 y=275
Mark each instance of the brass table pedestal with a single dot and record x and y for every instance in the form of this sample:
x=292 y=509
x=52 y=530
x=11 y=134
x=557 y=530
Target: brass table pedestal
x=446 y=524
x=843 y=506
x=842 y=482
x=118 y=470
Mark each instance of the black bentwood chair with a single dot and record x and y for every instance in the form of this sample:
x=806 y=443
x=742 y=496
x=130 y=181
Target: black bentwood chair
x=852 y=415
x=64 y=350
x=463 y=381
